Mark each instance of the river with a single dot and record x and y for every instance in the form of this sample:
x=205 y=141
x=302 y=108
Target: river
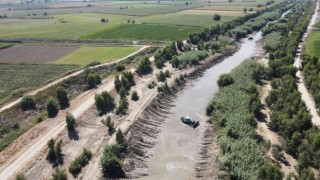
x=175 y=154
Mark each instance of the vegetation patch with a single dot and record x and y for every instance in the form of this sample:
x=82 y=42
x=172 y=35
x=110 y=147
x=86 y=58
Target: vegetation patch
x=87 y=55
x=312 y=44
x=28 y=76
x=233 y=111
x=143 y=32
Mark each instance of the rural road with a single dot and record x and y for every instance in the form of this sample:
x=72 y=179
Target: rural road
x=79 y=105
x=11 y=104
x=306 y=97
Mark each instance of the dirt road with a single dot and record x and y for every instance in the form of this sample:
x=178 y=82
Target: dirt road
x=306 y=97
x=9 y=105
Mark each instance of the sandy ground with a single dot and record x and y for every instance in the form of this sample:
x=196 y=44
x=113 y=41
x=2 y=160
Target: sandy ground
x=33 y=141
x=306 y=97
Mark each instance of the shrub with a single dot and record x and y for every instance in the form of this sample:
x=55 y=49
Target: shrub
x=52 y=107
x=225 y=80
x=71 y=122
x=123 y=106
x=161 y=76
x=93 y=80
x=216 y=17
x=144 y=67
x=152 y=84
x=81 y=161
x=111 y=164
x=120 y=67
x=109 y=124
x=51 y=155
x=134 y=96
x=62 y=97
x=104 y=102
x=28 y=102
x=59 y=175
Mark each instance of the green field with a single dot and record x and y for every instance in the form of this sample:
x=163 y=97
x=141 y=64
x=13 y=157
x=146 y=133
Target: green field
x=86 y=55
x=17 y=78
x=143 y=32
x=312 y=44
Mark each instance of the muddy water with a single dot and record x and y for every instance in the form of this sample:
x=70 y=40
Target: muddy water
x=175 y=153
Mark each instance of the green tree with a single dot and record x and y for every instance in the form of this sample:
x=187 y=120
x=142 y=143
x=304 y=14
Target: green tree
x=71 y=122
x=52 y=107
x=91 y=81
x=216 y=17
x=62 y=97
x=58 y=150
x=100 y=103
x=117 y=83
x=122 y=92
x=111 y=165
x=110 y=125
x=51 y=155
x=123 y=106
x=134 y=96
x=28 y=102
x=144 y=67
x=121 y=139
x=59 y=175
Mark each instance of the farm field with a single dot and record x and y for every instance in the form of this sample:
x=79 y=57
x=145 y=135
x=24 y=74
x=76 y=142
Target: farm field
x=71 y=24
x=143 y=32
x=34 y=53
x=28 y=76
x=312 y=44
x=86 y=55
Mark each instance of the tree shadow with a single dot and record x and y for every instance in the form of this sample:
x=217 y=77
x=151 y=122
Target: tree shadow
x=262 y=117
x=73 y=135
x=57 y=162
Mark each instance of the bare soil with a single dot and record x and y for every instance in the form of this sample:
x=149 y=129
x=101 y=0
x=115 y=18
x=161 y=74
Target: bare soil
x=34 y=53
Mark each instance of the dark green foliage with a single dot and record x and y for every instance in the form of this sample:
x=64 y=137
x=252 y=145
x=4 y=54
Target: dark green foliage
x=110 y=125
x=58 y=149
x=122 y=92
x=175 y=62
x=93 y=80
x=180 y=45
x=21 y=176
x=104 y=102
x=311 y=74
x=62 y=97
x=161 y=76
x=110 y=162
x=71 y=122
x=51 y=156
x=121 y=139
x=52 y=107
x=164 y=88
x=28 y=102
x=80 y=162
x=277 y=153
x=225 y=80
x=144 y=67
x=123 y=106
x=233 y=112
x=216 y=17
x=271 y=172
x=152 y=85
x=134 y=96
x=120 y=67
x=307 y=174
x=59 y=175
